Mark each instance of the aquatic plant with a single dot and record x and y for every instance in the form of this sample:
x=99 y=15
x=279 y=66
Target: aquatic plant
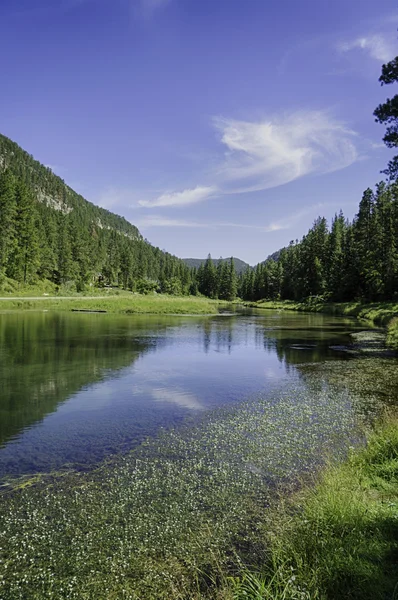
x=174 y=517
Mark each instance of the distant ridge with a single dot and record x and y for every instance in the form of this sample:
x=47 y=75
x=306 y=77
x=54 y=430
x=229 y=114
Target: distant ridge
x=240 y=265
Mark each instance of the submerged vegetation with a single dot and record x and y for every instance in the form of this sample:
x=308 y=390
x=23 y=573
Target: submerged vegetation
x=184 y=515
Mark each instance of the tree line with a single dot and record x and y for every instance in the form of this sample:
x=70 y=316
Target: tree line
x=342 y=262
x=347 y=261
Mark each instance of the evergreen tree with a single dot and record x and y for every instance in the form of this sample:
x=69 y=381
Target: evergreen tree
x=24 y=258
x=387 y=113
x=66 y=267
x=7 y=219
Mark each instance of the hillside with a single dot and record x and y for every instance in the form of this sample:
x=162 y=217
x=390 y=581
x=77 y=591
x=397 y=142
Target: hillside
x=52 y=191
x=49 y=232
x=240 y=265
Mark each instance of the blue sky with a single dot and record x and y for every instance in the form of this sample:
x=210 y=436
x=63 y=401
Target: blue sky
x=222 y=126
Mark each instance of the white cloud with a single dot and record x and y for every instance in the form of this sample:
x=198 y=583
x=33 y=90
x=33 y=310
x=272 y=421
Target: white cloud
x=380 y=47
x=183 y=198
x=268 y=153
x=160 y=221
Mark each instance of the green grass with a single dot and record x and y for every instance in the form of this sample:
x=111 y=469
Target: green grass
x=128 y=304
x=392 y=333
x=339 y=539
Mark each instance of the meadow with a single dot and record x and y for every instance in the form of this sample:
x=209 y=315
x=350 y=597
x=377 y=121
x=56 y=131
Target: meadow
x=126 y=303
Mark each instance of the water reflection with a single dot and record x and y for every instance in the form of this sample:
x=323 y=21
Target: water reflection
x=76 y=388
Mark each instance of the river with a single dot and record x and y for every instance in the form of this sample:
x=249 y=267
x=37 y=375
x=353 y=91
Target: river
x=78 y=388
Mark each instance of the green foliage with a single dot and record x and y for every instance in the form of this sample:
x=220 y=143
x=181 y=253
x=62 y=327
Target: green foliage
x=7 y=219
x=240 y=265
x=356 y=260
x=338 y=540
x=387 y=113
x=47 y=231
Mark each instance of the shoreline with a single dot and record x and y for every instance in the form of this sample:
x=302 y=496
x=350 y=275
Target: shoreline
x=382 y=314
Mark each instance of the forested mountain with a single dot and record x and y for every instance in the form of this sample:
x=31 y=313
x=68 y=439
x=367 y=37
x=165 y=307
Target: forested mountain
x=275 y=255
x=195 y=263
x=48 y=231
x=52 y=191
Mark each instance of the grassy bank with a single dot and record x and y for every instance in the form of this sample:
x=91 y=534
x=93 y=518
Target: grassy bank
x=339 y=539
x=127 y=304
x=384 y=314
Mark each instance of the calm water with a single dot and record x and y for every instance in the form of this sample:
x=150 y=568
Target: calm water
x=76 y=388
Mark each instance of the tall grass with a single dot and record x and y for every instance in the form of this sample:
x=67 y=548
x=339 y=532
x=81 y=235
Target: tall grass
x=339 y=539
x=392 y=333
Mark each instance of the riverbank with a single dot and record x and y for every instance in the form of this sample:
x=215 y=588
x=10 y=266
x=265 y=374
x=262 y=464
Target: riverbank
x=338 y=539
x=127 y=303
x=384 y=314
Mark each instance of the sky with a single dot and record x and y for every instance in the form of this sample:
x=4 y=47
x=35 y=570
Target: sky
x=214 y=126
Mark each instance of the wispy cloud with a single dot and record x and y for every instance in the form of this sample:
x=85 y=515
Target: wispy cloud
x=269 y=153
x=379 y=46
x=183 y=198
x=160 y=221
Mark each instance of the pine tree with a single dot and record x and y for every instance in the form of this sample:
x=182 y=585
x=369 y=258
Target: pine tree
x=66 y=268
x=7 y=219
x=335 y=256
x=209 y=279
x=24 y=259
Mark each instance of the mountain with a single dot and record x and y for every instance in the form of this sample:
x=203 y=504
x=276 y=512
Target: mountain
x=274 y=256
x=48 y=231
x=52 y=191
x=240 y=265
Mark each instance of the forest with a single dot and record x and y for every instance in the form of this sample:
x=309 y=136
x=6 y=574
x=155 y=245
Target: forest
x=49 y=232
x=347 y=261
x=78 y=245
